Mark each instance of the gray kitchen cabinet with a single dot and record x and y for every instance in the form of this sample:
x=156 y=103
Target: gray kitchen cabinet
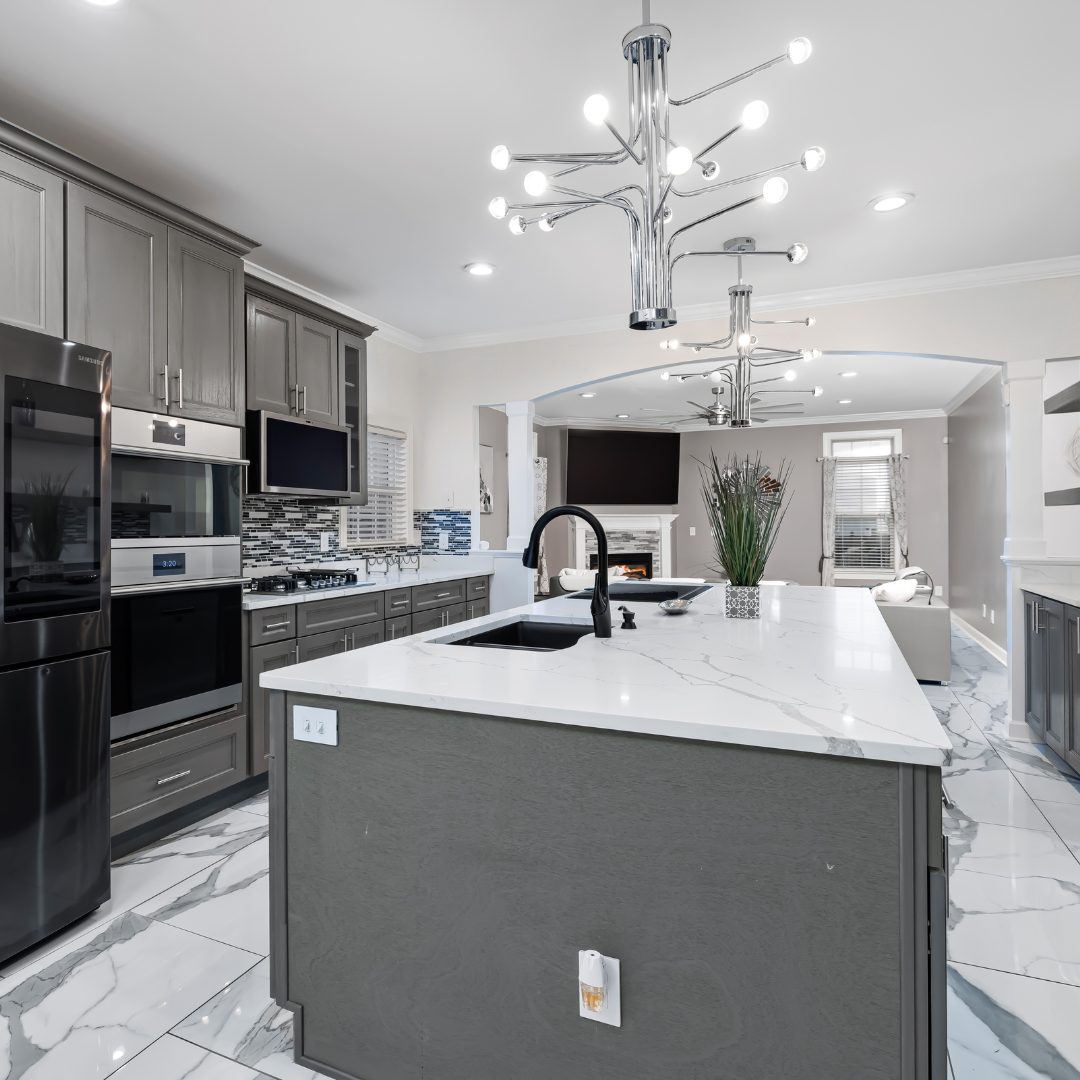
x=117 y=293
x=364 y=634
x=273 y=624
x=31 y=246
x=433 y=618
x=1072 y=687
x=264 y=658
x=1054 y=634
x=316 y=646
x=477 y=588
x=1036 y=671
x=440 y=594
x=352 y=369
x=397 y=602
x=397 y=628
x=317 y=375
x=205 y=330
x=271 y=356
x=338 y=613
x=476 y=609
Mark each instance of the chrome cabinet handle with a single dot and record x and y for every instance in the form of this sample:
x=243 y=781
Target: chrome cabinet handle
x=400 y=603
x=443 y=595
x=1078 y=635
x=165 y=382
x=175 y=776
x=1035 y=616
x=303 y=390
x=294 y=393
x=276 y=626
x=179 y=377
x=296 y=652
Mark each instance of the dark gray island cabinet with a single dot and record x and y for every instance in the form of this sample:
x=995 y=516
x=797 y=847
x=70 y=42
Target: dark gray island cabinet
x=777 y=912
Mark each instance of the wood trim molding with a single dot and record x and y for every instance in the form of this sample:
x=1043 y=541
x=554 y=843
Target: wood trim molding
x=276 y=294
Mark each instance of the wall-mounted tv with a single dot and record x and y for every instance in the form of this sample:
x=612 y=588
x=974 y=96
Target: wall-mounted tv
x=632 y=468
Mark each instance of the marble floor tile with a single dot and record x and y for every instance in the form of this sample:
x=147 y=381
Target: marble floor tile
x=989 y=710
x=1064 y=819
x=171 y=1058
x=1014 y=902
x=1045 y=777
x=257 y=804
x=974 y=670
x=143 y=874
x=229 y=902
x=1007 y=1027
x=243 y=1023
x=107 y=997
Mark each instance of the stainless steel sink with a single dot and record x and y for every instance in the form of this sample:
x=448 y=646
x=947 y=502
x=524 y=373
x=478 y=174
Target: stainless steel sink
x=530 y=635
x=647 y=592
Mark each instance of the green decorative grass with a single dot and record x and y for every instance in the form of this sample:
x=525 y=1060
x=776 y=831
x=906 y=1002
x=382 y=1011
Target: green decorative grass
x=746 y=502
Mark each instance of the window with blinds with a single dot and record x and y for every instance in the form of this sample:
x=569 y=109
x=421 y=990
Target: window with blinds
x=385 y=518
x=865 y=533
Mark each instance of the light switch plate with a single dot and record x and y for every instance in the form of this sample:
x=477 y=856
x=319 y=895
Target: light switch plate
x=444 y=540
x=611 y=1013
x=315 y=725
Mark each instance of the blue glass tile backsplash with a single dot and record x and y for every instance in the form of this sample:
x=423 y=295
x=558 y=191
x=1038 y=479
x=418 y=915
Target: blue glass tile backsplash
x=457 y=523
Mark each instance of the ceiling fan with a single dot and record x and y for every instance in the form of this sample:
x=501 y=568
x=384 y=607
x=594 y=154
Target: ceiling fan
x=718 y=413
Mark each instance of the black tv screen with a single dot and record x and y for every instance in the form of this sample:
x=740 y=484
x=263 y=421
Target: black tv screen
x=635 y=468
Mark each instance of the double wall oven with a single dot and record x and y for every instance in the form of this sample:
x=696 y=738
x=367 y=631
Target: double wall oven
x=177 y=583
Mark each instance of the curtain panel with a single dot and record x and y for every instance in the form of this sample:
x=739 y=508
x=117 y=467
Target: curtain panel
x=542 y=585
x=828 y=520
x=898 y=491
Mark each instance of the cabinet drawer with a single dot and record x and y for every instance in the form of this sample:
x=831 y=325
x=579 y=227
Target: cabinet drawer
x=441 y=594
x=474 y=609
x=192 y=761
x=397 y=602
x=436 y=617
x=316 y=646
x=319 y=616
x=400 y=627
x=477 y=587
x=273 y=624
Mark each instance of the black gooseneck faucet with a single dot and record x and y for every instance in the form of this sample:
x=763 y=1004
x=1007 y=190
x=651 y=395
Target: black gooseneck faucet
x=601 y=604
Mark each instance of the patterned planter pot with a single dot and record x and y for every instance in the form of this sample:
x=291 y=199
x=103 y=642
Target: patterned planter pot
x=742 y=601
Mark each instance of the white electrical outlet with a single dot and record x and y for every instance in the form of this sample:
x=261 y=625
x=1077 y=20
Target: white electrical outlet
x=444 y=540
x=324 y=541
x=991 y=616
x=984 y=611
x=939 y=590
x=315 y=725
x=693 y=531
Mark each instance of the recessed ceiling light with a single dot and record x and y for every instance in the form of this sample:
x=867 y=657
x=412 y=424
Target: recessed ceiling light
x=479 y=269
x=893 y=201
x=589 y=394
x=103 y=3
x=622 y=416
x=844 y=401
x=848 y=374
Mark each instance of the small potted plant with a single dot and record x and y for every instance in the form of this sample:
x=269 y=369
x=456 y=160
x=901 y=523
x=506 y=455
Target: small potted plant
x=746 y=503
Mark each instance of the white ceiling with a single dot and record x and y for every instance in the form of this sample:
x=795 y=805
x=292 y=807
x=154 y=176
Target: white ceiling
x=882 y=385
x=352 y=139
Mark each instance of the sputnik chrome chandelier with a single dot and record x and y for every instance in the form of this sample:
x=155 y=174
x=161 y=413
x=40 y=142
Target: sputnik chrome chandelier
x=649 y=144
x=736 y=374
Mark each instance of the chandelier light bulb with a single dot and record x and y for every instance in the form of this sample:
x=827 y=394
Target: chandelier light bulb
x=679 y=160
x=813 y=158
x=498 y=207
x=536 y=183
x=545 y=224
x=797 y=253
x=811 y=321
x=596 y=109
x=500 y=158
x=818 y=391
x=745 y=341
x=754 y=115
x=669 y=343
x=799 y=50
x=518 y=225
x=716 y=375
x=811 y=354
x=774 y=190
x=665 y=375
x=790 y=375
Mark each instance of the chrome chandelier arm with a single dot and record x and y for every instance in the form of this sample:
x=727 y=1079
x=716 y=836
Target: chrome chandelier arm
x=716 y=142
x=701 y=221
x=732 y=81
x=748 y=178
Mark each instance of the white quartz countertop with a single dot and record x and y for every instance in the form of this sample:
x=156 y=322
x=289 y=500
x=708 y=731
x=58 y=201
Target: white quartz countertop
x=1065 y=592
x=818 y=673
x=395 y=579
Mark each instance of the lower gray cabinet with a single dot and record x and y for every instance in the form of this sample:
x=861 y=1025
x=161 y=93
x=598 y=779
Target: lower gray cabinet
x=264 y=658
x=338 y=613
x=1036 y=670
x=316 y=646
x=441 y=594
x=1052 y=675
x=1054 y=632
x=365 y=634
x=1072 y=683
x=400 y=627
x=476 y=609
x=436 y=617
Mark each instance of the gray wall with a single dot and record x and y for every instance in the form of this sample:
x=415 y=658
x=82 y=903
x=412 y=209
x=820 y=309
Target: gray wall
x=551 y=444
x=977 y=510
x=798 y=547
x=493 y=433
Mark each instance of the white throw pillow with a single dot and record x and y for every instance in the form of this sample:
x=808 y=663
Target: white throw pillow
x=895 y=592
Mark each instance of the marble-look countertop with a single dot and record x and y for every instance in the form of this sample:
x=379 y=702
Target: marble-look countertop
x=394 y=579
x=1065 y=592
x=819 y=673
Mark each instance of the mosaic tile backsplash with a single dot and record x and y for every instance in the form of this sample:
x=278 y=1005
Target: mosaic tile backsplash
x=458 y=523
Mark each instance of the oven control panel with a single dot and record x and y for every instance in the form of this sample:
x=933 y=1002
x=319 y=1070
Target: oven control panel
x=170 y=432
x=170 y=564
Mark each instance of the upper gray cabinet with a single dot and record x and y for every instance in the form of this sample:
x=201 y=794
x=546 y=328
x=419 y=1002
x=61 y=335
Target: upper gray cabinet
x=206 y=334
x=292 y=362
x=352 y=394
x=117 y=292
x=31 y=246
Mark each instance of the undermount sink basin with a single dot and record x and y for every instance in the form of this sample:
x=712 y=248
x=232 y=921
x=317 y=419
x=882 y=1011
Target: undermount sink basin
x=531 y=635
x=646 y=592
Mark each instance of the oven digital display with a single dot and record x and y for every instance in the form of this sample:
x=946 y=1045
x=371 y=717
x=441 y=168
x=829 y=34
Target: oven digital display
x=169 y=564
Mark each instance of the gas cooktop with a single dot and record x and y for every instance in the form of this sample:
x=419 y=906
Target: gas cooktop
x=297 y=579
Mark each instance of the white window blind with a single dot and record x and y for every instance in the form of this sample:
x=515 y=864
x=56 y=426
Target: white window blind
x=385 y=518
x=865 y=531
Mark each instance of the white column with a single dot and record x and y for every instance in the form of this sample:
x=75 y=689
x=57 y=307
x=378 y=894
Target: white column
x=521 y=474
x=1022 y=383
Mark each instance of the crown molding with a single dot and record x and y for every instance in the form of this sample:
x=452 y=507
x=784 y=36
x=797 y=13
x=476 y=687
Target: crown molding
x=987 y=374
x=952 y=281
x=594 y=423
x=386 y=332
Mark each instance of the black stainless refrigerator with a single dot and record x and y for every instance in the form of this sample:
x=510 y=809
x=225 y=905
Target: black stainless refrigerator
x=54 y=635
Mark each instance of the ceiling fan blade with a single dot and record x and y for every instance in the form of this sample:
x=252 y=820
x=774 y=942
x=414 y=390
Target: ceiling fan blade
x=791 y=405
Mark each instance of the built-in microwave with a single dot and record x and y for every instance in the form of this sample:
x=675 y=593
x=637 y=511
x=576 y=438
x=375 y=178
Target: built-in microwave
x=292 y=455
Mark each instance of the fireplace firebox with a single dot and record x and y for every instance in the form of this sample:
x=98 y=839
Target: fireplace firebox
x=634 y=564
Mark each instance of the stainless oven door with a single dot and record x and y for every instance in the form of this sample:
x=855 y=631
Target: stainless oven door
x=176 y=654
x=54 y=518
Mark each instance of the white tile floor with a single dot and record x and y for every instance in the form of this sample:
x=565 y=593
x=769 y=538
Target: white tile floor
x=169 y=980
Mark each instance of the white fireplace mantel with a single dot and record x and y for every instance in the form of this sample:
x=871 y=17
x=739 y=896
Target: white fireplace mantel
x=653 y=523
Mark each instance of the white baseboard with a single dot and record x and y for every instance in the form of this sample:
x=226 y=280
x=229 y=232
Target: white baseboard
x=992 y=647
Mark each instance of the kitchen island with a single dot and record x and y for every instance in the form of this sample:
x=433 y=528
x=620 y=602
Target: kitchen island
x=745 y=813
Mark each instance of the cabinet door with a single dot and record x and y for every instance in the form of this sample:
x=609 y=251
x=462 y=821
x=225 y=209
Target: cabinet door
x=264 y=658
x=1035 y=666
x=206 y=330
x=428 y=620
x=365 y=634
x=475 y=609
x=117 y=293
x=399 y=627
x=319 y=645
x=271 y=356
x=317 y=369
x=352 y=371
x=1054 y=637
x=31 y=246
x=1072 y=683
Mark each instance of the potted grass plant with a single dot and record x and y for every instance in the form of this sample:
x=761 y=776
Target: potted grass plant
x=746 y=502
